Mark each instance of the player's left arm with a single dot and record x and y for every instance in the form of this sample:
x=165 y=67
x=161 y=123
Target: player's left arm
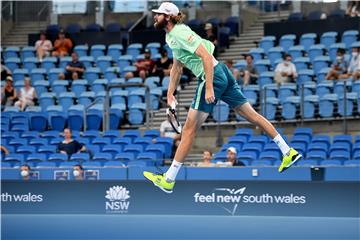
x=207 y=60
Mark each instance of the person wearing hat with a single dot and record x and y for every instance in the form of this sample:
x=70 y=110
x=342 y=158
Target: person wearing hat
x=215 y=82
x=231 y=157
x=8 y=93
x=354 y=65
x=210 y=35
x=62 y=45
x=339 y=66
x=43 y=46
x=143 y=67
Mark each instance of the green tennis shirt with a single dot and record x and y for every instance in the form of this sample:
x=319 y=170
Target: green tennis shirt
x=183 y=43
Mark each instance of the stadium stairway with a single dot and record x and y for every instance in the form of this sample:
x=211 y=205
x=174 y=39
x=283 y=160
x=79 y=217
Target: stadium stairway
x=255 y=32
x=18 y=36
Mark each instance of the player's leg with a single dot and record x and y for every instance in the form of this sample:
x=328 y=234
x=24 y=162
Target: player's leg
x=290 y=155
x=166 y=181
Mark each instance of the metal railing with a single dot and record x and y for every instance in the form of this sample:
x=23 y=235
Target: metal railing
x=45 y=7
x=85 y=110
x=106 y=116
x=344 y=115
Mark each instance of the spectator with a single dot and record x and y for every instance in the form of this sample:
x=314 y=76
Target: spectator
x=8 y=93
x=285 y=71
x=207 y=157
x=210 y=35
x=232 y=159
x=62 y=46
x=166 y=130
x=78 y=172
x=70 y=146
x=162 y=66
x=43 y=46
x=25 y=172
x=74 y=69
x=27 y=95
x=353 y=9
x=354 y=66
x=249 y=73
x=339 y=66
x=5 y=71
x=144 y=67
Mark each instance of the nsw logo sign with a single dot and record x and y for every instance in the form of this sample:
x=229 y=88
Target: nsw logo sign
x=117 y=200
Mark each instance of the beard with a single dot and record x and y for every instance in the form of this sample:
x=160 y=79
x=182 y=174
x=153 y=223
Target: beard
x=159 y=25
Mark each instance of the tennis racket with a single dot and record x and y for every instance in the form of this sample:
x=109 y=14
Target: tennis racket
x=171 y=115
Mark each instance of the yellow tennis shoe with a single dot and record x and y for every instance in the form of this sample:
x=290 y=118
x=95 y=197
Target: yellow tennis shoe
x=289 y=159
x=160 y=181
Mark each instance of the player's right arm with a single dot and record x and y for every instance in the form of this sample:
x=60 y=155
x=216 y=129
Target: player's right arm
x=175 y=74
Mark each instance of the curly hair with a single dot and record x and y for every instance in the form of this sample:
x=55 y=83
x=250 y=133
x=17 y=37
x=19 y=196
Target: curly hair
x=178 y=19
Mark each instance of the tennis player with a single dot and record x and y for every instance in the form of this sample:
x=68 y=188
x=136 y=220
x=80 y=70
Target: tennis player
x=215 y=82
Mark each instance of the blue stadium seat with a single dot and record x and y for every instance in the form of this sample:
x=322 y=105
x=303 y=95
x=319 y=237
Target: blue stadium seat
x=153 y=133
x=38 y=142
x=149 y=157
x=111 y=73
x=333 y=50
x=224 y=37
x=328 y=38
x=66 y=99
x=248 y=155
x=271 y=107
x=237 y=146
x=267 y=42
x=116 y=115
x=136 y=113
x=342 y=155
x=19 y=74
x=316 y=155
x=91 y=134
x=73 y=28
x=311 y=102
x=168 y=143
x=256 y=53
x=324 y=88
x=316 y=50
x=321 y=62
x=12 y=63
x=11 y=52
x=265 y=78
x=134 y=49
x=343 y=138
x=144 y=141
x=295 y=16
x=125 y=157
x=56 y=117
x=255 y=147
x=158 y=149
x=26 y=150
x=296 y=51
x=262 y=139
x=53 y=74
x=97 y=50
x=352 y=163
x=49 y=63
x=38 y=121
x=287 y=41
x=122 y=141
x=115 y=51
x=36 y=158
x=275 y=53
x=261 y=163
x=29 y=135
x=104 y=62
x=124 y=61
x=307 y=163
x=91 y=74
x=86 y=98
x=290 y=106
x=263 y=66
x=233 y=24
x=88 y=61
x=270 y=155
x=102 y=157
x=221 y=112
x=100 y=141
x=78 y=87
x=318 y=146
x=81 y=50
x=340 y=146
x=37 y=74
x=113 y=163
x=75 y=117
x=350 y=101
x=14 y=158
x=336 y=13
x=93 y=27
x=80 y=157
x=302 y=63
x=240 y=139
x=64 y=61
x=326 y=105
x=113 y=149
x=349 y=37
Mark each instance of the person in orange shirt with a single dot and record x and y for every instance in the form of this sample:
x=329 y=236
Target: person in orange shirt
x=62 y=46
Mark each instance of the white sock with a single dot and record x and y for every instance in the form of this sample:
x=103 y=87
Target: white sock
x=281 y=144
x=173 y=171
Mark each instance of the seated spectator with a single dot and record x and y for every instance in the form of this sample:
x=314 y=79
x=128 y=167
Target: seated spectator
x=8 y=93
x=353 y=9
x=231 y=158
x=70 y=146
x=166 y=130
x=249 y=73
x=211 y=36
x=339 y=66
x=144 y=67
x=25 y=172
x=62 y=45
x=74 y=69
x=354 y=66
x=207 y=157
x=78 y=172
x=285 y=71
x=43 y=46
x=5 y=71
x=162 y=66
x=27 y=95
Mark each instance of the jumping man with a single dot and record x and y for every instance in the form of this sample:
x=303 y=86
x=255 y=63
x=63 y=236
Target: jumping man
x=215 y=82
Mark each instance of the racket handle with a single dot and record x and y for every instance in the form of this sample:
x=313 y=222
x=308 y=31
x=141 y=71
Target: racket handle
x=173 y=105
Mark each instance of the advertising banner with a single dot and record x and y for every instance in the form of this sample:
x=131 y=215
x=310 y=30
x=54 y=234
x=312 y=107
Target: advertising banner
x=247 y=198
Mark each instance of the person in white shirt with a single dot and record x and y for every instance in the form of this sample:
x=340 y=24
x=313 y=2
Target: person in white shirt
x=43 y=46
x=207 y=157
x=354 y=65
x=27 y=95
x=285 y=71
